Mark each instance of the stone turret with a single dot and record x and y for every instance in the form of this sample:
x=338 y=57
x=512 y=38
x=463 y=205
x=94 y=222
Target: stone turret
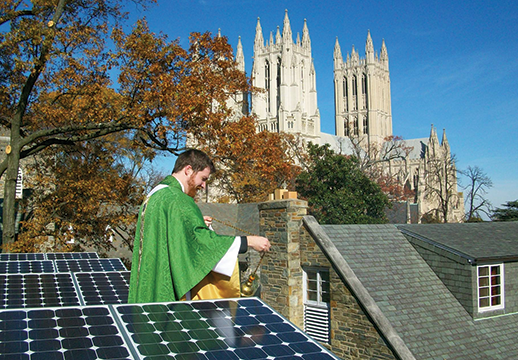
x=285 y=70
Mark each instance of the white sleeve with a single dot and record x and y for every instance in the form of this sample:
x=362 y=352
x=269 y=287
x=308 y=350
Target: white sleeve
x=227 y=263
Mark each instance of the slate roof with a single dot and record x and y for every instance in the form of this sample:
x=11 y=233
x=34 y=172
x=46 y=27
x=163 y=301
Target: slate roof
x=483 y=241
x=406 y=300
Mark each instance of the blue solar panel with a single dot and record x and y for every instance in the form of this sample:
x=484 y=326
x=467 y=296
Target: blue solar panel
x=61 y=333
x=47 y=256
x=97 y=288
x=220 y=329
x=72 y=255
x=37 y=290
x=89 y=265
x=26 y=266
x=20 y=256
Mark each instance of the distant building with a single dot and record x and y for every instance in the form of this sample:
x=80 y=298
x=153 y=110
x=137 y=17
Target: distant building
x=363 y=114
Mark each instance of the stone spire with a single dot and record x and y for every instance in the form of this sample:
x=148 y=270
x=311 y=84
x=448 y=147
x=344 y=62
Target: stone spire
x=337 y=55
x=444 y=142
x=240 y=56
x=384 y=54
x=306 y=42
x=259 y=41
x=278 y=38
x=369 y=48
x=286 y=29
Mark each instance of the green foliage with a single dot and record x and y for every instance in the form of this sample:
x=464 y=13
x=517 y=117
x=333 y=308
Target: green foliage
x=338 y=192
x=510 y=213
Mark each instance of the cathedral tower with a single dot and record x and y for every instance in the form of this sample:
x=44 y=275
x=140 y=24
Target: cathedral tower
x=362 y=94
x=284 y=70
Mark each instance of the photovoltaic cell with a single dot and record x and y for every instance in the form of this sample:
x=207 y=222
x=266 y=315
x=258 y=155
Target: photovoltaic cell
x=97 y=288
x=89 y=265
x=37 y=290
x=61 y=333
x=26 y=266
x=222 y=329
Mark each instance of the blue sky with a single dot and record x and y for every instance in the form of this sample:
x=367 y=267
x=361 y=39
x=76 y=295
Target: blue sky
x=453 y=64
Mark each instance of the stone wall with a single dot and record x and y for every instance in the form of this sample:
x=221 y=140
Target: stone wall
x=352 y=334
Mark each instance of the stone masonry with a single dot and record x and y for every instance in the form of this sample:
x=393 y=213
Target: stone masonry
x=353 y=336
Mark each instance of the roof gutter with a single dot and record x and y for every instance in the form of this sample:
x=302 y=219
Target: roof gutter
x=347 y=275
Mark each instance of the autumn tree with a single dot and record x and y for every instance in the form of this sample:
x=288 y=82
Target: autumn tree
x=338 y=192
x=476 y=188
x=59 y=91
x=82 y=197
x=251 y=164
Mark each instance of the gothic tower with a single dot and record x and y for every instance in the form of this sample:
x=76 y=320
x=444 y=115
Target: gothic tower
x=284 y=70
x=362 y=94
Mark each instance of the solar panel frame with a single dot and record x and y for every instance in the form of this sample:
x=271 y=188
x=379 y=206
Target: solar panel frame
x=215 y=329
x=88 y=332
x=89 y=265
x=27 y=267
x=38 y=290
x=48 y=256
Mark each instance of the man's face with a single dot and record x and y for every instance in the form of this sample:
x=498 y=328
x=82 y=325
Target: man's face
x=196 y=181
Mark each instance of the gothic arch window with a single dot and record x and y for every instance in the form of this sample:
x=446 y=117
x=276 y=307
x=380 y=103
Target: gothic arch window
x=364 y=91
x=355 y=92
x=347 y=130
x=356 y=127
x=365 y=125
x=302 y=76
x=345 y=88
x=267 y=84
x=278 y=98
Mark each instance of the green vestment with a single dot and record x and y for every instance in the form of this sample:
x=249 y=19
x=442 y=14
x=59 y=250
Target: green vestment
x=178 y=249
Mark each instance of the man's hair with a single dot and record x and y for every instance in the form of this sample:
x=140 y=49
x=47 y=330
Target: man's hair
x=198 y=160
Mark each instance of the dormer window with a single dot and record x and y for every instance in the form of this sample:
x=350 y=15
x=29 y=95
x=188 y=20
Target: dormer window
x=490 y=280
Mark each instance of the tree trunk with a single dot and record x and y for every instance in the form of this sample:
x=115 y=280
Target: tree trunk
x=9 y=208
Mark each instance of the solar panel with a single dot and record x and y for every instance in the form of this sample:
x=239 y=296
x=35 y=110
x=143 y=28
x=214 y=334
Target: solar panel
x=47 y=256
x=89 y=265
x=220 y=329
x=37 y=290
x=26 y=266
x=20 y=256
x=61 y=333
x=98 y=288
x=72 y=255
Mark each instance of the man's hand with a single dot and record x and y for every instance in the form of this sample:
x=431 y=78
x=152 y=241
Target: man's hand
x=258 y=243
x=208 y=221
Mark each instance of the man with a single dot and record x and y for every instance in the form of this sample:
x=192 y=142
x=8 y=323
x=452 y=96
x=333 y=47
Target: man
x=175 y=255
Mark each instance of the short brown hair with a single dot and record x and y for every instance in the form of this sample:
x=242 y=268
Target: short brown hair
x=197 y=159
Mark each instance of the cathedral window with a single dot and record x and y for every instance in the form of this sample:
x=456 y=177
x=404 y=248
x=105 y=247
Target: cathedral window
x=364 y=91
x=365 y=125
x=278 y=103
x=355 y=93
x=356 y=127
x=267 y=84
x=346 y=107
x=347 y=131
